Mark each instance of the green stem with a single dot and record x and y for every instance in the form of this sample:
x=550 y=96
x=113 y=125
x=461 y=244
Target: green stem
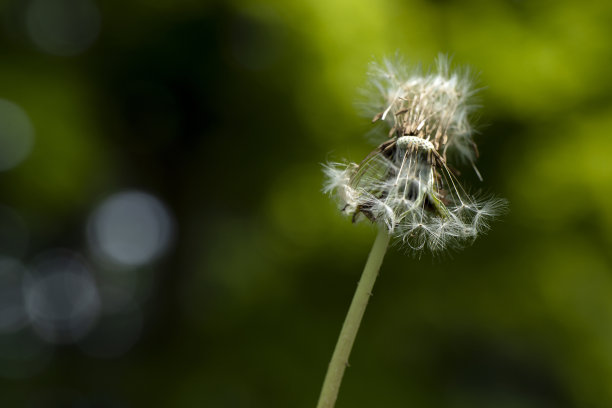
x=339 y=360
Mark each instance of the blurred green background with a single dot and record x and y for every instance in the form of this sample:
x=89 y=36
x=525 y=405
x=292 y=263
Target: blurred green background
x=164 y=241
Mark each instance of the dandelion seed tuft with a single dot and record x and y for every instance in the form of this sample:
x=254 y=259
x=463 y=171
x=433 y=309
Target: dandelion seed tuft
x=406 y=183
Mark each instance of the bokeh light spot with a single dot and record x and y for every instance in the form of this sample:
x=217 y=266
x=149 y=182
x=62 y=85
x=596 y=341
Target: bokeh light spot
x=130 y=229
x=16 y=135
x=63 y=27
x=62 y=299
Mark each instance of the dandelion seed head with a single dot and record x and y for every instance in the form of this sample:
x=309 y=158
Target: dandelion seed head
x=406 y=184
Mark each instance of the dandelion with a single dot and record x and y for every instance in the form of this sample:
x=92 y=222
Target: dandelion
x=406 y=185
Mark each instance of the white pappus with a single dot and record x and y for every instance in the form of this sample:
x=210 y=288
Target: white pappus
x=406 y=183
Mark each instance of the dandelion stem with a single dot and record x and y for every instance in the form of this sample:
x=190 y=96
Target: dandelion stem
x=339 y=360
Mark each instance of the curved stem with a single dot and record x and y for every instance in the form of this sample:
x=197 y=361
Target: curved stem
x=339 y=360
